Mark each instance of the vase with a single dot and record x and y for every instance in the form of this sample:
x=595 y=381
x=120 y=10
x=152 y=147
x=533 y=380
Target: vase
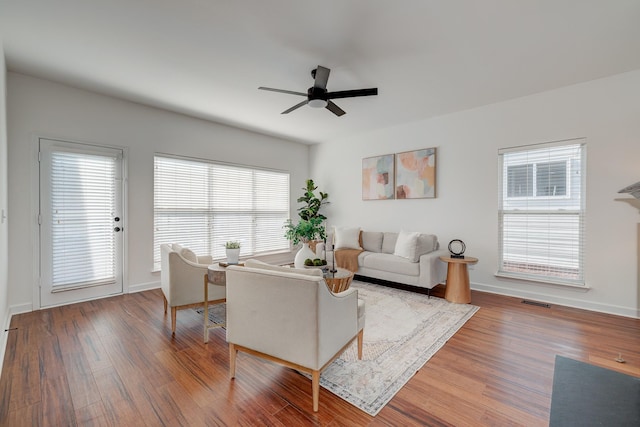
x=233 y=255
x=304 y=253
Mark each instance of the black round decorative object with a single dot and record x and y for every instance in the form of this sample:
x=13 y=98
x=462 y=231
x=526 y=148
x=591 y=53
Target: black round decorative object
x=457 y=248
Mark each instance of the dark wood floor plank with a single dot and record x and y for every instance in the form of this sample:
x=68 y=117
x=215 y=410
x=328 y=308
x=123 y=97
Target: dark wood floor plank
x=114 y=362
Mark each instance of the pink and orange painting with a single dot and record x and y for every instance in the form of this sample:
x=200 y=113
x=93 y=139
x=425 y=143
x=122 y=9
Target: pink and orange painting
x=416 y=174
x=377 y=177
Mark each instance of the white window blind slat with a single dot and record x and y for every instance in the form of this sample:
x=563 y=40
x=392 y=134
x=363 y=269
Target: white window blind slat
x=202 y=204
x=541 y=213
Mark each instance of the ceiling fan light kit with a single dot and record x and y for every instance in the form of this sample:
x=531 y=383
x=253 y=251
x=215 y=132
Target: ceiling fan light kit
x=317 y=95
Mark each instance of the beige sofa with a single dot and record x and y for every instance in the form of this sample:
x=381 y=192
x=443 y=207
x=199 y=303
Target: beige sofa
x=420 y=266
x=290 y=316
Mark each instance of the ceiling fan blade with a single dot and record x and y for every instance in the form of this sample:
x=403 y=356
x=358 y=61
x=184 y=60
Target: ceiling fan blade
x=335 y=109
x=290 y=92
x=295 y=107
x=322 y=76
x=351 y=93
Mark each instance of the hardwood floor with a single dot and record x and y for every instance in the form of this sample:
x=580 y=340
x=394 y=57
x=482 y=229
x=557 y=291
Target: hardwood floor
x=114 y=362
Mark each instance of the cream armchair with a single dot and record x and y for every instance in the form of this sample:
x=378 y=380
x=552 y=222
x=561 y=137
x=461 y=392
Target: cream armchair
x=182 y=280
x=290 y=316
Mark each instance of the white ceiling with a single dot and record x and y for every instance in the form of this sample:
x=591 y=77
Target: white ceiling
x=206 y=58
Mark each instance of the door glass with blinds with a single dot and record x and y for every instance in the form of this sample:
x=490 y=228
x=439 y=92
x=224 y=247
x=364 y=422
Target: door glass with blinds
x=541 y=212
x=81 y=223
x=202 y=204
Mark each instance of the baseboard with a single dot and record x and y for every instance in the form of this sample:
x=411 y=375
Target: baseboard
x=143 y=287
x=14 y=309
x=554 y=299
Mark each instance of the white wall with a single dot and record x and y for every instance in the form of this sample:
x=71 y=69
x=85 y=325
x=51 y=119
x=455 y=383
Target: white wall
x=42 y=108
x=605 y=111
x=4 y=227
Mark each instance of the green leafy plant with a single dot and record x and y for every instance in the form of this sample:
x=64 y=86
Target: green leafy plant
x=305 y=231
x=311 y=224
x=232 y=244
x=312 y=202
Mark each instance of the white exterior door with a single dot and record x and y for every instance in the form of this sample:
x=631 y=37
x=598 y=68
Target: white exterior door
x=81 y=223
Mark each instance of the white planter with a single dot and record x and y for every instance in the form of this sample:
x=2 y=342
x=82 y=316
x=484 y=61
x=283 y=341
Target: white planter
x=233 y=255
x=304 y=253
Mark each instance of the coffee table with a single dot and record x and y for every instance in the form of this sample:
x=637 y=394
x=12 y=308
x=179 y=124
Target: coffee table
x=338 y=281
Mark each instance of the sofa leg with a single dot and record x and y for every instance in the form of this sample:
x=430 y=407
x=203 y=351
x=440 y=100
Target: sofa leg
x=360 y=340
x=315 y=389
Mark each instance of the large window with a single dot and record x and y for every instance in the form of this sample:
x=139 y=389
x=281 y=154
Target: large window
x=541 y=212
x=201 y=205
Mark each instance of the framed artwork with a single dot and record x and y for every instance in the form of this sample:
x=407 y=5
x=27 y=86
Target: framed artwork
x=377 y=177
x=416 y=174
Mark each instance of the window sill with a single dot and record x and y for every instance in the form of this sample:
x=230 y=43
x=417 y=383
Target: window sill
x=544 y=281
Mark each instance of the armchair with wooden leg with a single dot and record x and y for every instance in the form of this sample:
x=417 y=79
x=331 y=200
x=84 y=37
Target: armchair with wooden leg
x=290 y=317
x=182 y=280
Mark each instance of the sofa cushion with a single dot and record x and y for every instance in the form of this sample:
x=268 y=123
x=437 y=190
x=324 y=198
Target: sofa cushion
x=372 y=241
x=390 y=263
x=406 y=245
x=347 y=238
x=389 y=242
x=425 y=244
x=254 y=263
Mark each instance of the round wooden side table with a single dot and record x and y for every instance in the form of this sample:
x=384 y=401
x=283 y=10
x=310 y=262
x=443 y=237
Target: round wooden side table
x=457 y=289
x=339 y=281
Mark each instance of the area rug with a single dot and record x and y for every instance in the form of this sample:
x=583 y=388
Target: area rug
x=403 y=330
x=586 y=395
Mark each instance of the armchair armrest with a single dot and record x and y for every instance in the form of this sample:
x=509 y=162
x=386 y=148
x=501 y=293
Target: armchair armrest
x=205 y=259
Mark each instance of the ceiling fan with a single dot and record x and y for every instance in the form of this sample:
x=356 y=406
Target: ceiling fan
x=317 y=95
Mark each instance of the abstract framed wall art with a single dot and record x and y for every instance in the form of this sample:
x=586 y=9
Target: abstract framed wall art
x=416 y=174
x=377 y=177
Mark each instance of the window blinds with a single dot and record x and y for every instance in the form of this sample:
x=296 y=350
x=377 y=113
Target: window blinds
x=541 y=213
x=82 y=188
x=201 y=205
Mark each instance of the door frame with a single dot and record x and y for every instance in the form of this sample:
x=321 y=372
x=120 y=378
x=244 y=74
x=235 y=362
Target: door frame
x=35 y=211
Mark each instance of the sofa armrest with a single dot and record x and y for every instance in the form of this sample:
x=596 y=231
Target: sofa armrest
x=433 y=271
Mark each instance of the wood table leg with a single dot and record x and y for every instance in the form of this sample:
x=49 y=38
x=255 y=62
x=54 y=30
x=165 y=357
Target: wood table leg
x=457 y=289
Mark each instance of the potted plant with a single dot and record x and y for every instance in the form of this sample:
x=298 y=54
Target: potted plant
x=311 y=224
x=233 y=251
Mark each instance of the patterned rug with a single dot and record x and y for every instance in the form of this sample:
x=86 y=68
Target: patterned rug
x=402 y=331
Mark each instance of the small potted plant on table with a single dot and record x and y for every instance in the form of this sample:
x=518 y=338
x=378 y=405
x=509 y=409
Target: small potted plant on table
x=233 y=251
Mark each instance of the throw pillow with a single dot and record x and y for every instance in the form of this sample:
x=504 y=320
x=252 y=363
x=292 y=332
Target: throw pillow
x=406 y=245
x=347 y=238
x=189 y=255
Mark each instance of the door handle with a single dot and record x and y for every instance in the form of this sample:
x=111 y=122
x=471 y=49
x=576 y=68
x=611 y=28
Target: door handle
x=116 y=229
